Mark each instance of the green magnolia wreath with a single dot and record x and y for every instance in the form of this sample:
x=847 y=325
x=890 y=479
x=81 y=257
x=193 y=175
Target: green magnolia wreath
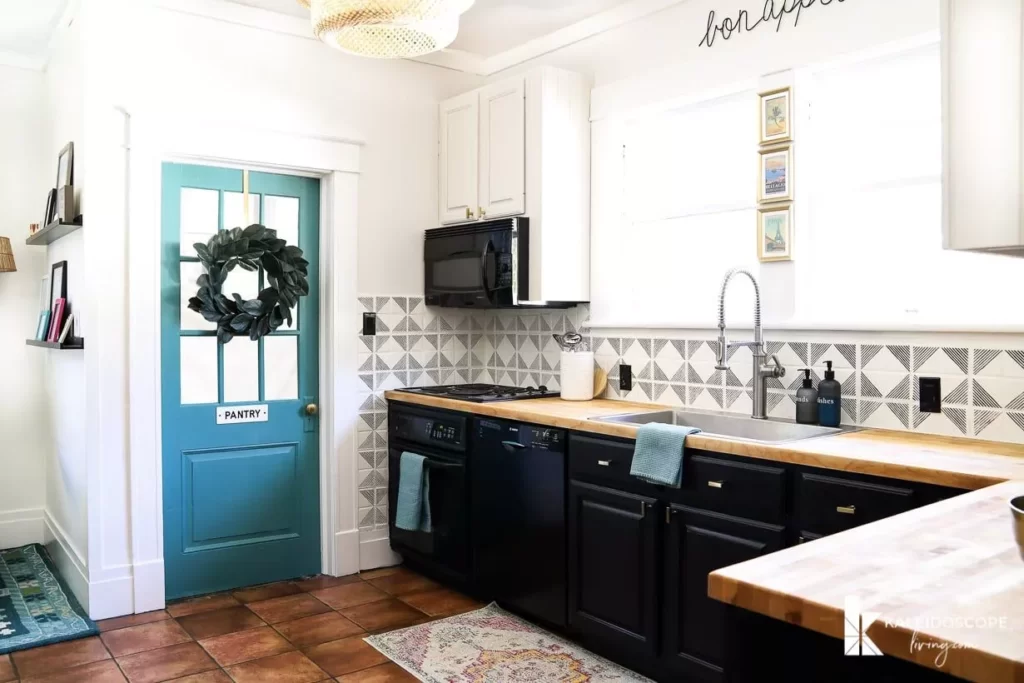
x=254 y=247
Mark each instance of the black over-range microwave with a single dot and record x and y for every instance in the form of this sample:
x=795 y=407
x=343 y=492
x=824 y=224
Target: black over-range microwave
x=480 y=265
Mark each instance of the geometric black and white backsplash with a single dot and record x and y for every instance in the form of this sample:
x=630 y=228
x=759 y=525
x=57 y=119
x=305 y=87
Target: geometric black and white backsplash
x=983 y=388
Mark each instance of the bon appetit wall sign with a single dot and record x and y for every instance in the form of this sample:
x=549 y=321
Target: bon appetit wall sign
x=775 y=12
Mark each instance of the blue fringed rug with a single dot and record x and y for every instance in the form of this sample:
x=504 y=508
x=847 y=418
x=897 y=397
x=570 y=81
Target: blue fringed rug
x=36 y=606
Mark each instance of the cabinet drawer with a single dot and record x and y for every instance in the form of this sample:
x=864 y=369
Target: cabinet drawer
x=735 y=488
x=602 y=460
x=828 y=505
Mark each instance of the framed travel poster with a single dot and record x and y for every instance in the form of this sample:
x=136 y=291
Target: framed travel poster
x=776 y=124
x=775 y=234
x=775 y=175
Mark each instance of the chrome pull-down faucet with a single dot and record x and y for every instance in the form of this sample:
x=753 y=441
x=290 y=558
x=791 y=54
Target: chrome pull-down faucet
x=762 y=371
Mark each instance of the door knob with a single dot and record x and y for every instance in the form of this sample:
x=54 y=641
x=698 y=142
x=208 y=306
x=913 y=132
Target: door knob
x=312 y=409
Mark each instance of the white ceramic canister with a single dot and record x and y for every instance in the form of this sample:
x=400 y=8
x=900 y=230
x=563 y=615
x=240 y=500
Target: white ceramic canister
x=577 y=380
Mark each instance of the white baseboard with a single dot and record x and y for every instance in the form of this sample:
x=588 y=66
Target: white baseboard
x=149 y=586
x=69 y=562
x=21 y=527
x=346 y=552
x=377 y=553
x=113 y=596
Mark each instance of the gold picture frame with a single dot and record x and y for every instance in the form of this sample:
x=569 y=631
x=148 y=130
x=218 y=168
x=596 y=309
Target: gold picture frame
x=775 y=174
x=775 y=116
x=775 y=233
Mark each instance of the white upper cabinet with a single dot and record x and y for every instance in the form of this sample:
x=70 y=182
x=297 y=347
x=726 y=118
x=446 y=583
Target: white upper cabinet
x=503 y=149
x=459 y=158
x=983 y=74
x=521 y=146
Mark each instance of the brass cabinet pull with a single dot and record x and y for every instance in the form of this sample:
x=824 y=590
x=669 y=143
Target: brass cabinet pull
x=483 y=214
x=844 y=510
x=604 y=463
x=469 y=213
x=643 y=510
x=716 y=484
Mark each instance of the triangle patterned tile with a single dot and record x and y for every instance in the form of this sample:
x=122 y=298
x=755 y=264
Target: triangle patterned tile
x=680 y=391
x=774 y=400
x=920 y=418
x=983 y=358
x=982 y=397
x=731 y=396
x=901 y=390
x=902 y=413
x=958 y=416
x=983 y=419
x=367 y=303
x=867 y=388
x=1018 y=419
x=719 y=396
x=922 y=354
x=1016 y=404
x=849 y=407
x=866 y=409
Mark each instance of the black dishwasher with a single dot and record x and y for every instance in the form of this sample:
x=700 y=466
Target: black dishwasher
x=518 y=500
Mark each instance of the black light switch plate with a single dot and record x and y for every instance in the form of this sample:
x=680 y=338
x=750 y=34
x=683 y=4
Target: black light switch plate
x=369 y=324
x=931 y=394
x=625 y=378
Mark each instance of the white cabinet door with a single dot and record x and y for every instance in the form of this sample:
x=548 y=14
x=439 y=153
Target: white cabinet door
x=459 y=158
x=503 y=149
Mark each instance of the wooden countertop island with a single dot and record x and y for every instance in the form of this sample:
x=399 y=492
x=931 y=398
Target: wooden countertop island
x=947 y=581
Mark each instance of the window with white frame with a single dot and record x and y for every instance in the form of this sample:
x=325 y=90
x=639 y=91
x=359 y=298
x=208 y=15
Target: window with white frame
x=688 y=204
x=873 y=180
x=868 y=233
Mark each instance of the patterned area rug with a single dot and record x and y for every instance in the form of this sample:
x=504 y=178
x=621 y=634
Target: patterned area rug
x=493 y=646
x=36 y=607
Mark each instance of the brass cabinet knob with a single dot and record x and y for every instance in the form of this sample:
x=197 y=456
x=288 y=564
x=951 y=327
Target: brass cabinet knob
x=847 y=510
x=312 y=409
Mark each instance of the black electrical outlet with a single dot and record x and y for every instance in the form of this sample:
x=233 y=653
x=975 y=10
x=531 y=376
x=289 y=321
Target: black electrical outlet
x=625 y=378
x=369 y=324
x=931 y=394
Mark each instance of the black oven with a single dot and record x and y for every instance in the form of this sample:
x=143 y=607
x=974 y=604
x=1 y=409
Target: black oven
x=481 y=265
x=443 y=438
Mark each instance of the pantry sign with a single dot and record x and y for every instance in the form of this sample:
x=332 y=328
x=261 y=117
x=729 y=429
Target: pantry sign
x=233 y=415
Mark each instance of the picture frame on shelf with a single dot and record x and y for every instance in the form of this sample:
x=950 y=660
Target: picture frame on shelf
x=775 y=120
x=775 y=174
x=775 y=233
x=58 y=283
x=51 y=207
x=66 y=166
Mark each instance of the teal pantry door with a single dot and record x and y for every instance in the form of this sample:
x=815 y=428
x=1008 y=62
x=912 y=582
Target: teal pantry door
x=241 y=502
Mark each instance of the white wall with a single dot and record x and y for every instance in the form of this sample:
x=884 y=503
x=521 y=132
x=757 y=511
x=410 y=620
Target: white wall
x=67 y=532
x=25 y=173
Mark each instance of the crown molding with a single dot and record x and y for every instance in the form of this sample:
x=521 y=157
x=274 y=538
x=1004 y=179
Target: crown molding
x=457 y=60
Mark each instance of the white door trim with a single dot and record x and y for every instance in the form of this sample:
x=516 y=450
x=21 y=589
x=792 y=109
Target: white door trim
x=154 y=139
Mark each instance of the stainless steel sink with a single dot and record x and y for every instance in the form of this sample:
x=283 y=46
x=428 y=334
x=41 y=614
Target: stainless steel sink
x=729 y=426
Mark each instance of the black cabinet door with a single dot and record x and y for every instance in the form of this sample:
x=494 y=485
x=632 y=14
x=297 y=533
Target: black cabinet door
x=613 y=570
x=700 y=542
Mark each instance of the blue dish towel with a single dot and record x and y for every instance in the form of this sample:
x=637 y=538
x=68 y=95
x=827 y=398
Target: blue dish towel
x=658 y=457
x=413 y=513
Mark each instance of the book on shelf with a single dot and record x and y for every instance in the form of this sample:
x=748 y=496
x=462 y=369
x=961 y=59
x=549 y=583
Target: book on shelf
x=43 y=326
x=56 y=319
x=68 y=324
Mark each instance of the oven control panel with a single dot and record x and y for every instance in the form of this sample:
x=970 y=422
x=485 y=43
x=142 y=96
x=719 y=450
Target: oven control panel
x=447 y=432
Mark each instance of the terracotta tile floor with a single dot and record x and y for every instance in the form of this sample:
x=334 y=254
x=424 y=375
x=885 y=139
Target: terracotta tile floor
x=303 y=631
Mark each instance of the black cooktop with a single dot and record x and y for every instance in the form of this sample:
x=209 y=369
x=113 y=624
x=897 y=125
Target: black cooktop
x=484 y=393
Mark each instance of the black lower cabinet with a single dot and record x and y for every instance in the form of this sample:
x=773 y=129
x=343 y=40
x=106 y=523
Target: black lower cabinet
x=613 y=572
x=695 y=626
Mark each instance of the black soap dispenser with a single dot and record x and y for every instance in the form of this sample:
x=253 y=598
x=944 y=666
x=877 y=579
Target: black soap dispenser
x=830 y=399
x=807 y=401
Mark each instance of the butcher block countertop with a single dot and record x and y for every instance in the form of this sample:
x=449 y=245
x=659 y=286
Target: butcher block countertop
x=942 y=461
x=921 y=571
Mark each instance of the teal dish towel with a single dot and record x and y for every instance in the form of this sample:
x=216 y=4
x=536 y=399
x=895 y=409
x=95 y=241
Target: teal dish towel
x=413 y=513
x=658 y=457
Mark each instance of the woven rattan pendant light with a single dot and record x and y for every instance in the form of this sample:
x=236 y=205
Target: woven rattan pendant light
x=387 y=28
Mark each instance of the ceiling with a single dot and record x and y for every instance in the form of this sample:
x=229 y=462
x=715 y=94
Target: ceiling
x=492 y=26
x=26 y=28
